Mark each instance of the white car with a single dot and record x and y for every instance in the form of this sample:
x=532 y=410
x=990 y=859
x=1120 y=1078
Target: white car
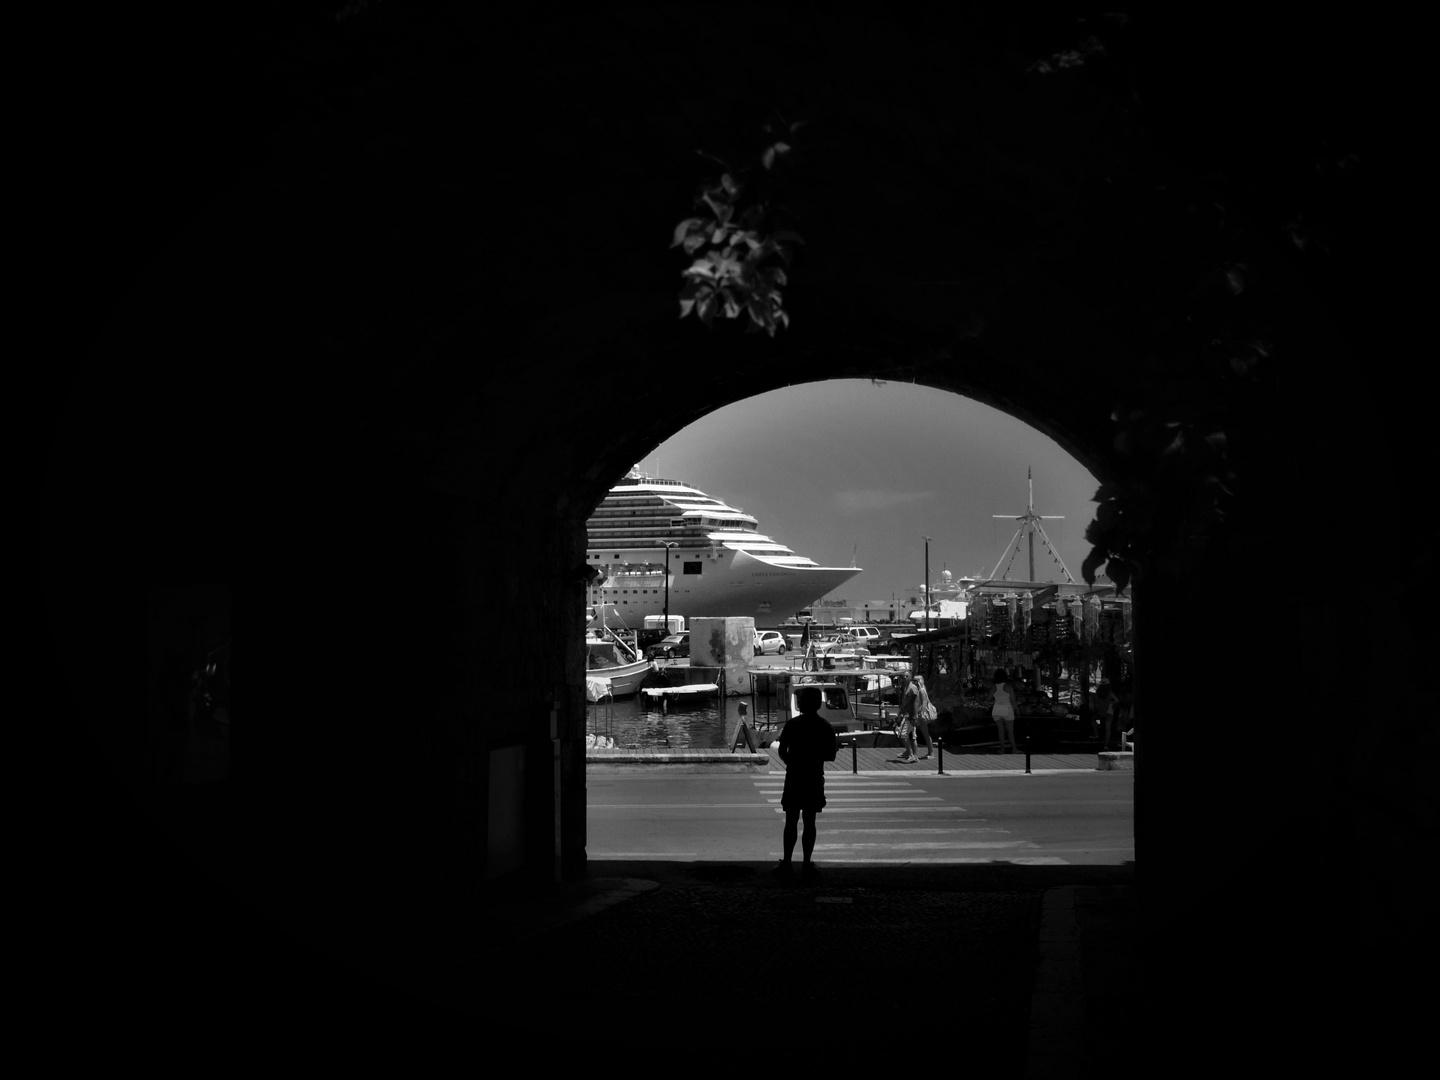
x=843 y=642
x=770 y=643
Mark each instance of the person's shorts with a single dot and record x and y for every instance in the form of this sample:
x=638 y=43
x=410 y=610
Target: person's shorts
x=803 y=793
x=906 y=728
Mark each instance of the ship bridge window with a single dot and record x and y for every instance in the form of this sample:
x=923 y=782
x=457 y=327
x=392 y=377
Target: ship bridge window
x=692 y=568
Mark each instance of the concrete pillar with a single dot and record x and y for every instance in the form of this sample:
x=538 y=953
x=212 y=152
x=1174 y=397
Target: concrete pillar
x=728 y=644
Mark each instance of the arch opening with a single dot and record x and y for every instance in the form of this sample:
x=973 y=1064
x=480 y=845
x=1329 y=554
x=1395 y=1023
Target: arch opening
x=791 y=488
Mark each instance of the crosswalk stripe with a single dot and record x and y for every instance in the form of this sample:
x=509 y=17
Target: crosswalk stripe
x=912 y=831
x=882 y=799
x=1021 y=860
x=679 y=806
x=977 y=845
x=878 y=809
x=851 y=786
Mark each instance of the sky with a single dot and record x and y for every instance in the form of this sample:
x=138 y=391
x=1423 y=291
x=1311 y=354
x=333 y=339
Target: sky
x=848 y=472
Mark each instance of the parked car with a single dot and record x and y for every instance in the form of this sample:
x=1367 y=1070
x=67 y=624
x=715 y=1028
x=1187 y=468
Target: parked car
x=866 y=635
x=672 y=647
x=770 y=642
x=844 y=642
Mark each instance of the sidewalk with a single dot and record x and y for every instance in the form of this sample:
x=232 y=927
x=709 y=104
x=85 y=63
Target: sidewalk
x=1016 y=970
x=864 y=760
x=1020 y=973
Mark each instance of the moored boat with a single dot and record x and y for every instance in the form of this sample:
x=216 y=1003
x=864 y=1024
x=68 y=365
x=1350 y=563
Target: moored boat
x=620 y=680
x=684 y=693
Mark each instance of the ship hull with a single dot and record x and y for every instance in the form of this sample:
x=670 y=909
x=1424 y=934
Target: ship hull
x=735 y=587
x=661 y=545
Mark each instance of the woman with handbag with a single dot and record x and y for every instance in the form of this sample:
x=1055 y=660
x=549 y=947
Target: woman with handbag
x=905 y=721
x=924 y=713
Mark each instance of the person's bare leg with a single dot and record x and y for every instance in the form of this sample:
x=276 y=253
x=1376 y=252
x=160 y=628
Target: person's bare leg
x=792 y=830
x=808 y=841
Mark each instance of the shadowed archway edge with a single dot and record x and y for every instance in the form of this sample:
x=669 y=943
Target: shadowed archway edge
x=448 y=347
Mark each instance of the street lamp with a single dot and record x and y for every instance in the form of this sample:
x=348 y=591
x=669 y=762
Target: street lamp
x=668 y=545
x=927 y=583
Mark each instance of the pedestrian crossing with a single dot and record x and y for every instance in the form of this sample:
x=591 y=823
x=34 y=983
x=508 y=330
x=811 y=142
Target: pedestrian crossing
x=865 y=821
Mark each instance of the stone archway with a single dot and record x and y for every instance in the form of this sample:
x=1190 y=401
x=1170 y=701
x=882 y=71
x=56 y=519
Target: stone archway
x=445 y=289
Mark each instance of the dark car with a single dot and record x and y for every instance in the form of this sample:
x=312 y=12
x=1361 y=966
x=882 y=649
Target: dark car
x=673 y=647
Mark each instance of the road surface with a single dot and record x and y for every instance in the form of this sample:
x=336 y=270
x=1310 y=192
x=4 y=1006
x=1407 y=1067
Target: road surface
x=1059 y=819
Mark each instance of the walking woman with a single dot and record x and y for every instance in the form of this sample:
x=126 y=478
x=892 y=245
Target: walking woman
x=924 y=713
x=905 y=722
x=1004 y=710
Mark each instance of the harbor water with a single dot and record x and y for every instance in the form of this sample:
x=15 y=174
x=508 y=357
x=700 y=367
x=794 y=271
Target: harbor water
x=635 y=723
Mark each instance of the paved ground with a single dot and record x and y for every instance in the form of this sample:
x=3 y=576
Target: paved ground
x=1019 y=972
x=1016 y=971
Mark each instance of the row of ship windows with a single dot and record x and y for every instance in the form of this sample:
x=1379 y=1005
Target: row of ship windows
x=687 y=568
x=596 y=558
x=614 y=522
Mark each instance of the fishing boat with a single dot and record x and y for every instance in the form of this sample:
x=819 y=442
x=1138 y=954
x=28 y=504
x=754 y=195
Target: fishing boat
x=619 y=680
x=874 y=698
x=614 y=668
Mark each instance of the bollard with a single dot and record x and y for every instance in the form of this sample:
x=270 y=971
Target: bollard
x=1027 y=753
x=855 y=758
x=940 y=746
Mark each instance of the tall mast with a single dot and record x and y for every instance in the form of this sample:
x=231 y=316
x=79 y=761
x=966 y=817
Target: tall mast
x=1030 y=523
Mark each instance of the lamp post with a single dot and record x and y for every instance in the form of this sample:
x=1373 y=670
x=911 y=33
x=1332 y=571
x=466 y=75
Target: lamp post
x=668 y=545
x=927 y=583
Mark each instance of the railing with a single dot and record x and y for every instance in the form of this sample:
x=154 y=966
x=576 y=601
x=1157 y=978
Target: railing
x=939 y=754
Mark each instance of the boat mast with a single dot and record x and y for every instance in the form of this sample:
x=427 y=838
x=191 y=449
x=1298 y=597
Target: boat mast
x=1030 y=521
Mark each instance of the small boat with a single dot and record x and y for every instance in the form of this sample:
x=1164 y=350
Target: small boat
x=615 y=660
x=834 y=701
x=622 y=680
x=686 y=692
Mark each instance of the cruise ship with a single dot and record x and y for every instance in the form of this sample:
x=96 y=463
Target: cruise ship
x=719 y=564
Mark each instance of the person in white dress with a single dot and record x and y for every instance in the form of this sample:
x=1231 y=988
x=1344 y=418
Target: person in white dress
x=1003 y=712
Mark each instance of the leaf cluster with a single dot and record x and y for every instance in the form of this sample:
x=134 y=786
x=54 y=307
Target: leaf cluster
x=738 y=250
x=1180 y=489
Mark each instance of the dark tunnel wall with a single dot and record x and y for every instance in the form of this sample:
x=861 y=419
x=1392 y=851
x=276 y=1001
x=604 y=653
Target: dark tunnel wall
x=388 y=352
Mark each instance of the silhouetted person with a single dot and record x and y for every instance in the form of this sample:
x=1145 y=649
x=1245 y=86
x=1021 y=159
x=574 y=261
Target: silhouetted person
x=807 y=741
x=1003 y=712
x=1102 y=711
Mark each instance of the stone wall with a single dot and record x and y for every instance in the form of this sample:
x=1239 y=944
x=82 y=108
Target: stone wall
x=432 y=318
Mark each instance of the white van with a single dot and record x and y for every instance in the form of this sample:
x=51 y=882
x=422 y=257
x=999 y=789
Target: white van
x=868 y=636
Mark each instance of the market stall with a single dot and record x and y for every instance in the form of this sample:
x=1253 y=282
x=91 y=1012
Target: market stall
x=1056 y=652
